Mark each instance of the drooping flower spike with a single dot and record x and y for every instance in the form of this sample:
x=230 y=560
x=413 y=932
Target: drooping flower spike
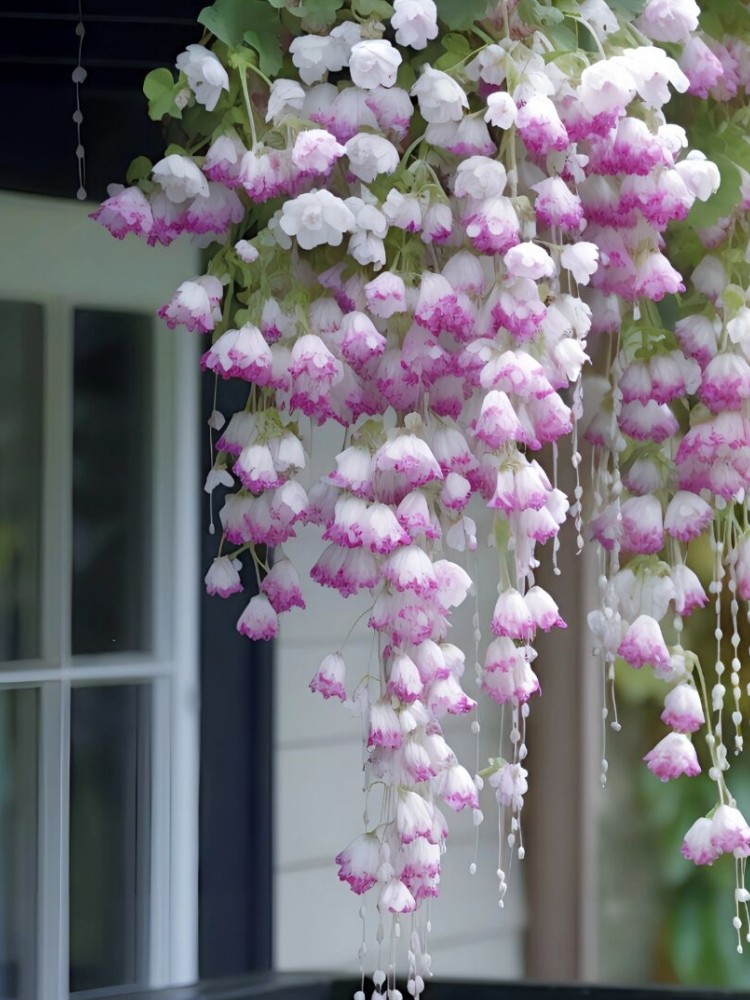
x=438 y=294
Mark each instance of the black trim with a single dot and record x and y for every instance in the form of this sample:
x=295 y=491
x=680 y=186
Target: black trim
x=236 y=836
x=311 y=987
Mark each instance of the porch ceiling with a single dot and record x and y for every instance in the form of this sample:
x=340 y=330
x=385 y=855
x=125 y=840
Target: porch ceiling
x=124 y=39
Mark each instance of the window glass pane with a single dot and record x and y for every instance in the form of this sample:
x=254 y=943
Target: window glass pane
x=111 y=482
x=21 y=410
x=110 y=762
x=18 y=842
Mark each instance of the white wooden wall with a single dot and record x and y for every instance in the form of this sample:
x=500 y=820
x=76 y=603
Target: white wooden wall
x=319 y=802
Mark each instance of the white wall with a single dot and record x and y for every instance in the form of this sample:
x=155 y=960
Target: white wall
x=319 y=801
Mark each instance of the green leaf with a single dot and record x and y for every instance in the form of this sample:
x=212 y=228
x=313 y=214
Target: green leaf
x=265 y=36
x=139 y=169
x=256 y=22
x=160 y=89
x=627 y=9
x=379 y=9
x=317 y=15
x=228 y=20
x=541 y=15
x=563 y=37
x=458 y=14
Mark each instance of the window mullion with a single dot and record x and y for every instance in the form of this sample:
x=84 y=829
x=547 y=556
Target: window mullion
x=52 y=956
x=57 y=484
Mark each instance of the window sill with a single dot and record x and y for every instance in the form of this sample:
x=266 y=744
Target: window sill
x=301 y=986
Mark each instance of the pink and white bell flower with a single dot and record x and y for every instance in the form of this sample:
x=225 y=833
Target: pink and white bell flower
x=512 y=617
x=581 y=259
x=386 y=295
x=180 y=178
x=395 y=898
x=195 y=305
x=606 y=86
x=370 y=156
x=445 y=695
x=316 y=55
x=437 y=223
x=359 y=863
x=410 y=568
x=643 y=644
x=385 y=731
x=404 y=681
x=543 y=609
x=501 y=110
x=126 y=211
x=726 y=382
x=653 y=71
x=440 y=97
x=710 y=277
x=687 y=516
x=650 y=422
x=730 y=833
x=492 y=225
x=669 y=20
x=316 y=218
x=215 y=212
x=655 y=277
x=529 y=260
x=511 y=785
x=282 y=586
x=361 y=341
x=403 y=211
x=414 y=817
x=469 y=137
x=392 y=108
x=539 y=126
x=380 y=530
x=683 y=710
x=285 y=97
x=255 y=469
x=259 y=620
x=223 y=577
x=502 y=654
x=557 y=205
x=205 y=74
x=702 y=68
x=456 y=492
x=479 y=177
x=498 y=422
x=366 y=244
x=513 y=686
x=315 y=152
x=241 y=353
x=642 y=525
x=739 y=562
x=673 y=376
x=697 y=846
x=672 y=757
x=329 y=678
x=374 y=63
x=456 y=788
x=287 y=452
x=701 y=176
x=349 y=113
x=403 y=463
x=688 y=590
x=415 y=22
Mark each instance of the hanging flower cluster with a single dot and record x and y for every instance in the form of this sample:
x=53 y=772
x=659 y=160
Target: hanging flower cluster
x=422 y=221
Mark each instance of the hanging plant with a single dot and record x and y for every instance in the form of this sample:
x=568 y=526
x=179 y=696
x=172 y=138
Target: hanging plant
x=421 y=222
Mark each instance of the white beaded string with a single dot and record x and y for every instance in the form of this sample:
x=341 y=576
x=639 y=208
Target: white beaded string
x=79 y=75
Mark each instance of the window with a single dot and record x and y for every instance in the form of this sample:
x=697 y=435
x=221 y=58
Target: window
x=98 y=612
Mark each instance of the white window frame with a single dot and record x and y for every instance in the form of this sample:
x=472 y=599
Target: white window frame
x=52 y=254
